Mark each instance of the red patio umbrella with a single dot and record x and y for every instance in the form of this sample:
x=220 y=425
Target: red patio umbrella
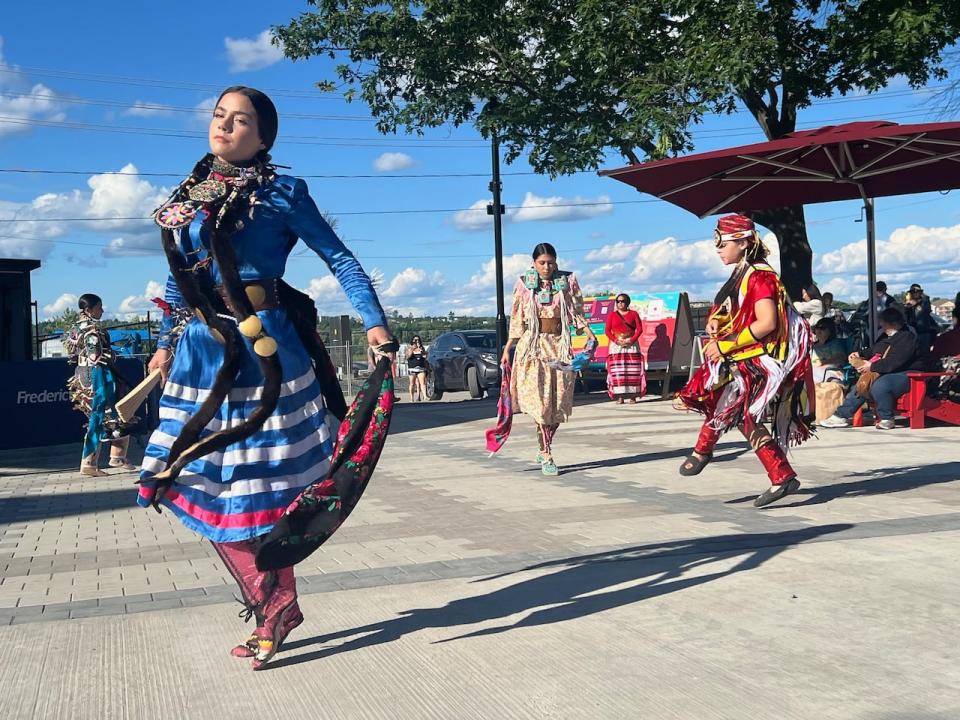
x=837 y=162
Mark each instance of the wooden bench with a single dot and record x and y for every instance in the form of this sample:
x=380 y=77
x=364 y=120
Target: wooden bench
x=917 y=406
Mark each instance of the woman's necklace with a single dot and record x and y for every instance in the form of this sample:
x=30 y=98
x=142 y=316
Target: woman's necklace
x=545 y=288
x=223 y=181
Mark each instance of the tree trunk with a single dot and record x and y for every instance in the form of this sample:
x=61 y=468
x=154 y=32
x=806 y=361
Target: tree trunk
x=796 y=258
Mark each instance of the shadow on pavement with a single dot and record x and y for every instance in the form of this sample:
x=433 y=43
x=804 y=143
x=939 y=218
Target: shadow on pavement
x=24 y=508
x=879 y=482
x=577 y=588
x=39 y=460
x=411 y=417
x=58 y=458
x=740 y=449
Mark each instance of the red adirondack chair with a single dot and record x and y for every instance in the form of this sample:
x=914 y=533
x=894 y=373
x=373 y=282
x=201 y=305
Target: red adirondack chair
x=917 y=406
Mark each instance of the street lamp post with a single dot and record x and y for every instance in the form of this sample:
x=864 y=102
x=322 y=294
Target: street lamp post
x=496 y=209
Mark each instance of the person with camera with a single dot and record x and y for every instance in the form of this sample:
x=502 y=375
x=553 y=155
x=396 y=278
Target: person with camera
x=418 y=367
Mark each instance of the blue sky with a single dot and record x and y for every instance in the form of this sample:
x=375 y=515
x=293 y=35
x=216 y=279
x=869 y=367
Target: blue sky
x=119 y=89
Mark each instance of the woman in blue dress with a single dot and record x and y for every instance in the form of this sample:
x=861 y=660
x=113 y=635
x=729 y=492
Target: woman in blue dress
x=243 y=417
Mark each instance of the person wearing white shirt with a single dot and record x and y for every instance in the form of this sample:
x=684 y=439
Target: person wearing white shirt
x=811 y=307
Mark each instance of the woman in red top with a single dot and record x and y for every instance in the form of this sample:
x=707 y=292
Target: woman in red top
x=625 y=374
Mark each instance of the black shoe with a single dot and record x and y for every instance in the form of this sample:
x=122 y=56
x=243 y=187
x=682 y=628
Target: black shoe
x=774 y=493
x=694 y=465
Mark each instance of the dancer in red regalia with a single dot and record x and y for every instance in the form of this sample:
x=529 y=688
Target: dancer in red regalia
x=756 y=362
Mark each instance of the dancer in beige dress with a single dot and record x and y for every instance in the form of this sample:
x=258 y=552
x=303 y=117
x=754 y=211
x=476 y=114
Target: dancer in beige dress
x=546 y=303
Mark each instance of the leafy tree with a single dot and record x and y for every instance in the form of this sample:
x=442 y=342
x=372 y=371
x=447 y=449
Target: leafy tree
x=570 y=81
x=64 y=321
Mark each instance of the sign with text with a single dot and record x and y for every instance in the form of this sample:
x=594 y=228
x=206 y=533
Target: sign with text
x=35 y=405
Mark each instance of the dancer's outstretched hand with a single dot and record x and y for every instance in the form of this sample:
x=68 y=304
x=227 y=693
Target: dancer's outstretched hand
x=381 y=335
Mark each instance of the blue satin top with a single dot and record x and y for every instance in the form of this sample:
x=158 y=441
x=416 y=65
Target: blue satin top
x=285 y=213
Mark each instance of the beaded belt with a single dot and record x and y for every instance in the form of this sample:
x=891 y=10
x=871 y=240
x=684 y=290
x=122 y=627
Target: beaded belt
x=550 y=326
x=263 y=294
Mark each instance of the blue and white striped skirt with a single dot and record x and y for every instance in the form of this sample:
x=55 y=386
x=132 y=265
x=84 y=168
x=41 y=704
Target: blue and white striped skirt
x=240 y=492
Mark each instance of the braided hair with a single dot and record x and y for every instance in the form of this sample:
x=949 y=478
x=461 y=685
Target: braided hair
x=226 y=212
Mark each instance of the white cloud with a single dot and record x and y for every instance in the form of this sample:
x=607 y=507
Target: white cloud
x=329 y=296
x=475 y=218
x=513 y=266
x=414 y=284
x=121 y=196
x=561 y=209
x=605 y=272
x=617 y=252
x=22 y=103
x=111 y=198
x=252 y=53
x=927 y=255
x=664 y=265
x=413 y=290
x=146 y=109
x=906 y=247
x=134 y=245
x=67 y=301
x=203 y=112
x=668 y=261
x=848 y=289
x=134 y=306
x=89 y=261
x=534 y=209
x=393 y=161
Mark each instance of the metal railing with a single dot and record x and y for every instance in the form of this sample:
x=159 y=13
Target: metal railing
x=352 y=366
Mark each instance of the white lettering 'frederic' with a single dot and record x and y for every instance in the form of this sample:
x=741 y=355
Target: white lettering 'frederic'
x=47 y=396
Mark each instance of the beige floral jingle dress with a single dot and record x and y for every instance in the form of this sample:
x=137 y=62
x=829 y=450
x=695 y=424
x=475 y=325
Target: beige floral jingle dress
x=543 y=392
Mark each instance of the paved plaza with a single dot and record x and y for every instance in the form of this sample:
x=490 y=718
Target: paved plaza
x=467 y=587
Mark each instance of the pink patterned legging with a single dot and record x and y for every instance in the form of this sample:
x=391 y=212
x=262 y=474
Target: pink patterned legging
x=266 y=594
x=545 y=434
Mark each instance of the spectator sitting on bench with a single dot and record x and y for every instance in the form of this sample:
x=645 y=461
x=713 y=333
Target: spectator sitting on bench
x=891 y=357
x=946 y=357
x=829 y=353
x=947 y=344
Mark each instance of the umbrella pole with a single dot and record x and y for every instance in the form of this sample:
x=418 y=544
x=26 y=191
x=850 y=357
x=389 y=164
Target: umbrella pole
x=871 y=268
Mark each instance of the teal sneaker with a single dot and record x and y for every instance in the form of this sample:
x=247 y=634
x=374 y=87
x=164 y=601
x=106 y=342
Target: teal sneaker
x=540 y=458
x=549 y=468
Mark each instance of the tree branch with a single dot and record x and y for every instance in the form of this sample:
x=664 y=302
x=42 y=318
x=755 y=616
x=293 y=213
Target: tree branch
x=630 y=155
x=517 y=78
x=760 y=111
x=774 y=100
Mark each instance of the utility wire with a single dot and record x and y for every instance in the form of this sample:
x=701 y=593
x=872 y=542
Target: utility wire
x=327 y=176
x=150 y=108
x=685 y=241
x=405 y=211
x=381 y=141
x=154 y=83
